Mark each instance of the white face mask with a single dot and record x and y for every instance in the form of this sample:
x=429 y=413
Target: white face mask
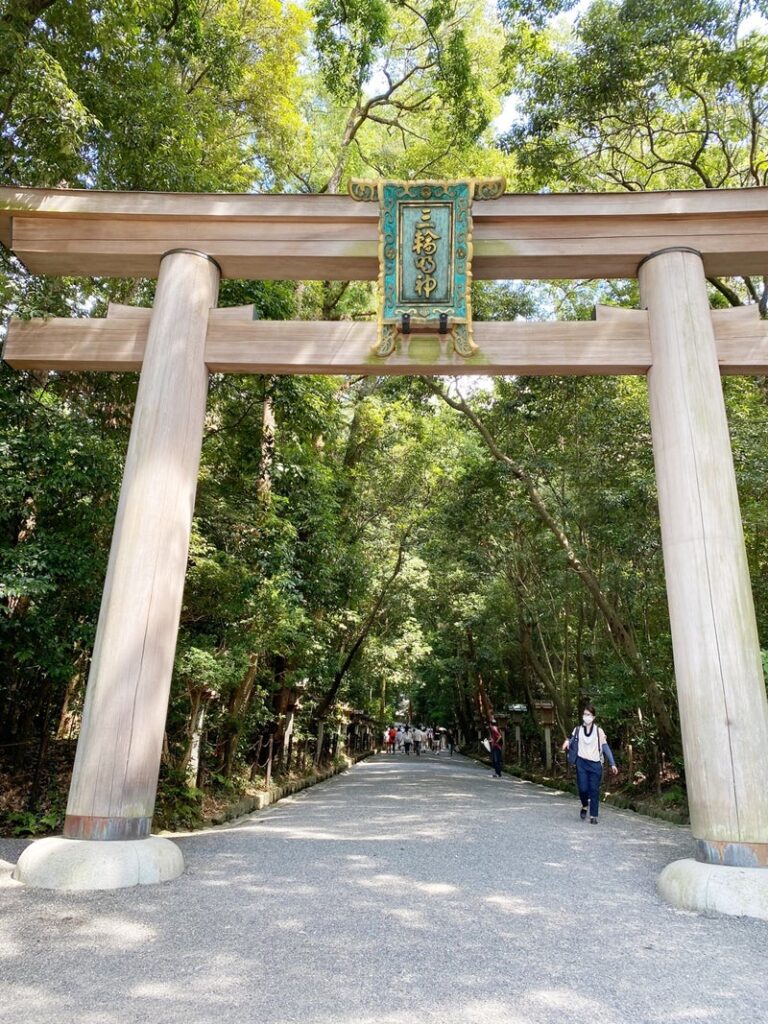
x=587 y=719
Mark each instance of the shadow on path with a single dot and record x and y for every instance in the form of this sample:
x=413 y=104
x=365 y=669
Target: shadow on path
x=404 y=889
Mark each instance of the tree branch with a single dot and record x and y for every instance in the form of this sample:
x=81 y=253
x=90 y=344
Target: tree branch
x=328 y=701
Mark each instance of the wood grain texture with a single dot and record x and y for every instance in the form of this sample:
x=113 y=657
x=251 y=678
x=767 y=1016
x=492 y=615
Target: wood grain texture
x=117 y=310
x=617 y=342
x=335 y=238
x=720 y=686
x=340 y=347
x=118 y=753
x=74 y=345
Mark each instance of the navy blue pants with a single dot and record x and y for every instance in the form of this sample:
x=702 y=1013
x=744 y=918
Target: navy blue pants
x=589 y=775
x=496 y=760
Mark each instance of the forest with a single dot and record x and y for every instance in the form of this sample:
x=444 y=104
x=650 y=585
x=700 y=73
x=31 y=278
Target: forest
x=365 y=549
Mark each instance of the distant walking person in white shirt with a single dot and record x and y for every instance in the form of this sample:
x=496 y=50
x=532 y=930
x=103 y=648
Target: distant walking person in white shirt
x=418 y=739
x=407 y=739
x=586 y=747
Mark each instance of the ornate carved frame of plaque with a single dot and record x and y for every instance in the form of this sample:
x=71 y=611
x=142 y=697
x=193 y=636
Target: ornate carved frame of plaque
x=425 y=257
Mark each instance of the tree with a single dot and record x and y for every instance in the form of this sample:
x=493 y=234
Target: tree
x=185 y=96
x=403 y=90
x=645 y=95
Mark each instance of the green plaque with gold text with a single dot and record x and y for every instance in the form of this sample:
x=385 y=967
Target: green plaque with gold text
x=425 y=257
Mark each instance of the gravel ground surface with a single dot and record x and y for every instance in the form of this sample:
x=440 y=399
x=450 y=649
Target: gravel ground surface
x=406 y=889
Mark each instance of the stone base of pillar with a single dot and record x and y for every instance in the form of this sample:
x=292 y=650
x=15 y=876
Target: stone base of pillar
x=78 y=864
x=692 y=885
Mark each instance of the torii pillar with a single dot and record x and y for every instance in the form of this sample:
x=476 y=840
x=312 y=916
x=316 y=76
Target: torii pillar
x=720 y=684
x=107 y=842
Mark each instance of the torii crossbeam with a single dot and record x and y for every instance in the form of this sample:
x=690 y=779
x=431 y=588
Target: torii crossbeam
x=335 y=238
x=671 y=241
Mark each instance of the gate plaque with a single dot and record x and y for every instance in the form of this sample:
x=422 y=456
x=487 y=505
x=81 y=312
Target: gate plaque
x=425 y=257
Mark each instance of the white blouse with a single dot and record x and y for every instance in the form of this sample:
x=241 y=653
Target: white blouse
x=590 y=747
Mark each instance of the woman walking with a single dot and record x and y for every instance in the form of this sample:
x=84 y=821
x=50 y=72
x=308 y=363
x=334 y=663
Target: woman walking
x=407 y=739
x=497 y=742
x=586 y=747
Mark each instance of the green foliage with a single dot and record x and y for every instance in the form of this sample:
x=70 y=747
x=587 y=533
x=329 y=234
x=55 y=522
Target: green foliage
x=528 y=14
x=347 y=36
x=59 y=475
x=28 y=823
x=674 y=797
x=178 y=806
x=185 y=96
x=406 y=91
x=646 y=95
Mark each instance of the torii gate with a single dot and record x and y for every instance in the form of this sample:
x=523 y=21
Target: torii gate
x=671 y=241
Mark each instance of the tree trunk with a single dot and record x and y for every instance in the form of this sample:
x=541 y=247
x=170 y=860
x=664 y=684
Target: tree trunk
x=256 y=758
x=190 y=761
x=486 y=712
x=330 y=697
x=546 y=679
x=268 y=424
x=68 y=718
x=320 y=737
x=237 y=706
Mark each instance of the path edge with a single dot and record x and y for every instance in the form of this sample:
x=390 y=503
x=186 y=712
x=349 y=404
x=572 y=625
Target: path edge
x=265 y=798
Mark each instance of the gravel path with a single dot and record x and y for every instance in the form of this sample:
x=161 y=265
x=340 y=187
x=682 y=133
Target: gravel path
x=405 y=889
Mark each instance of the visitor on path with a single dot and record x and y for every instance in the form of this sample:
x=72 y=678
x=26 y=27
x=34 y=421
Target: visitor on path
x=449 y=741
x=407 y=739
x=386 y=737
x=399 y=741
x=418 y=739
x=588 y=744
x=496 y=748
x=392 y=739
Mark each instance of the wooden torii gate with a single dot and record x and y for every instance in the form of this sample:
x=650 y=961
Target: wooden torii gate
x=671 y=241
